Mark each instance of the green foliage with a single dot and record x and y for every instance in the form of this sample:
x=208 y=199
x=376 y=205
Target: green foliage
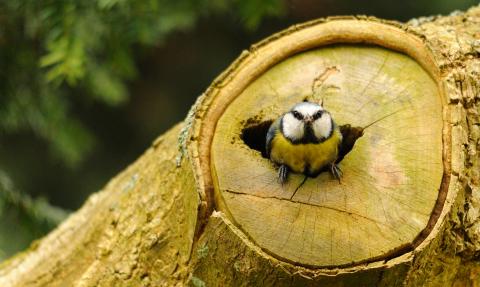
x=23 y=219
x=52 y=50
x=253 y=11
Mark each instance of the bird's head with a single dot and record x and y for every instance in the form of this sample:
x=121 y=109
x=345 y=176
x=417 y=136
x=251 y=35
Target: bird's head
x=307 y=122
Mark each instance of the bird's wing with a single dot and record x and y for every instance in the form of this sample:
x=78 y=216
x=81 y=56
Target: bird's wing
x=274 y=127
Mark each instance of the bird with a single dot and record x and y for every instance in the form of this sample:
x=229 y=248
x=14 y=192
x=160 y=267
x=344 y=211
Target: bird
x=304 y=140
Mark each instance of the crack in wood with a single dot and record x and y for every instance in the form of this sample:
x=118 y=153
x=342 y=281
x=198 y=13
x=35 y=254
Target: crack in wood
x=314 y=205
x=298 y=187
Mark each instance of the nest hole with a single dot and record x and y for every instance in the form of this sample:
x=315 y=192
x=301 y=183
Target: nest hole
x=255 y=136
x=255 y=133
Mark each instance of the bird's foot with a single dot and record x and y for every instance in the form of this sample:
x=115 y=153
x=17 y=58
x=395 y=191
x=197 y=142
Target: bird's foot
x=336 y=171
x=283 y=174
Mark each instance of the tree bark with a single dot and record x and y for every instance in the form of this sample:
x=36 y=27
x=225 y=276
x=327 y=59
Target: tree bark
x=202 y=207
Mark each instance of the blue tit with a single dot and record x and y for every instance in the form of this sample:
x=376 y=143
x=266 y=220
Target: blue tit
x=304 y=140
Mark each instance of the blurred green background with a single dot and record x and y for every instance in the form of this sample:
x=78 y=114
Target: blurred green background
x=86 y=86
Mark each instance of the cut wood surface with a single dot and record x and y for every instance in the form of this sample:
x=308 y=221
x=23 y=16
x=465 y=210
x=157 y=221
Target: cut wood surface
x=392 y=176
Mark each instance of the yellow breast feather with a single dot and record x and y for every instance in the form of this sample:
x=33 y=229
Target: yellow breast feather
x=305 y=158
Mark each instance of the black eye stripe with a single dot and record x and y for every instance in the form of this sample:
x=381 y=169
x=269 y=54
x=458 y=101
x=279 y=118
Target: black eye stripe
x=297 y=115
x=318 y=115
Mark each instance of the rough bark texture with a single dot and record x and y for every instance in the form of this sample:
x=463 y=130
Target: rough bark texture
x=155 y=224
x=138 y=231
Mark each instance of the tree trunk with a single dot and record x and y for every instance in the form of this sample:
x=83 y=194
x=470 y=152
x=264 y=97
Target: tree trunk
x=202 y=206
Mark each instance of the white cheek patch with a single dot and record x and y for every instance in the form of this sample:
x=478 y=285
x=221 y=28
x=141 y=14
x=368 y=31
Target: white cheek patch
x=292 y=128
x=322 y=127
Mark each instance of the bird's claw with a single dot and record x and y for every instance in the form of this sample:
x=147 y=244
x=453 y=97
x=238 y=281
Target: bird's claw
x=282 y=174
x=336 y=171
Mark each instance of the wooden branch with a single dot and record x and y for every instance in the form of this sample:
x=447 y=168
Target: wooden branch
x=139 y=230
x=405 y=213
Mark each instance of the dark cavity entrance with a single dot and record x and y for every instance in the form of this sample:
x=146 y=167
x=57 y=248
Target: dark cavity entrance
x=255 y=133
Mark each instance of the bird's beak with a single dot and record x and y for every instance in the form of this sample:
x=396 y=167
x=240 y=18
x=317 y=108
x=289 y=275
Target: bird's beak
x=308 y=120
